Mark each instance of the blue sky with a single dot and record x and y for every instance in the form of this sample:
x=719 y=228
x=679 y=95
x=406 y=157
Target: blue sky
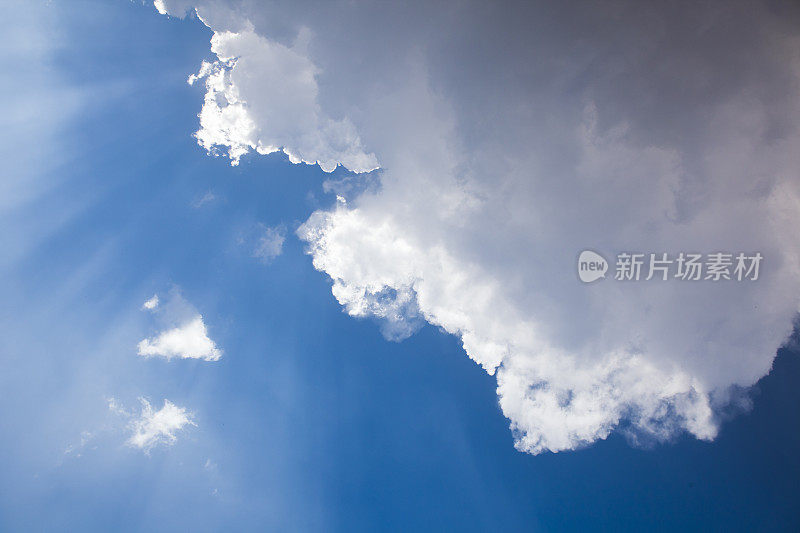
x=311 y=420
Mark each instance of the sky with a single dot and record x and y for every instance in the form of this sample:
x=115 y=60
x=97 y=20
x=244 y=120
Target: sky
x=312 y=267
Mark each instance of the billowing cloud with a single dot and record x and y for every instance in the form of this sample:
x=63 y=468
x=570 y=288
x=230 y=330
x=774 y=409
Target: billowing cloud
x=151 y=428
x=187 y=338
x=263 y=95
x=511 y=140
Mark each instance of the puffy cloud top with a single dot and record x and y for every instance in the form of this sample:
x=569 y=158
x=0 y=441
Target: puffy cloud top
x=262 y=95
x=188 y=341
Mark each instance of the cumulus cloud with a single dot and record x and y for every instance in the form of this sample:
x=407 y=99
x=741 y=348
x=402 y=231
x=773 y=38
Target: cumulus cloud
x=509 y=141
x=151 y=428
x=186 y=339
x=263 y=95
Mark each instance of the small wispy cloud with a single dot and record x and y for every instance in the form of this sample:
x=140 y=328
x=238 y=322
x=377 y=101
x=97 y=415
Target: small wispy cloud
x=207 y=198
x=270 y=243
x=76 y=450
x=115 y=407
x=152 y=427
x=151 y=304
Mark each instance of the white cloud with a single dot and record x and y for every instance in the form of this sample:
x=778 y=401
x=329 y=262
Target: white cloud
x=270 y=243
x=207 y=198
x=151 y=304
x=508 y=148
x=262 y=95
x=184 y=334
x=187 y=341
x=76 y=450
x=152 y=428
x=160 y=7
x=115 y=407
